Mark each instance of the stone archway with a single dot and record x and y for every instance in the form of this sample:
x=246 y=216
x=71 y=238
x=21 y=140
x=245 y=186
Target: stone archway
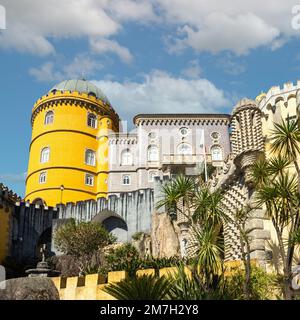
x=113 y=223
x=39 y=201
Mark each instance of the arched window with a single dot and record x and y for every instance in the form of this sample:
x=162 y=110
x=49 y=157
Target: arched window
x=43 y=177
x=90 y=157
x=92 y=120
x=49 y=117
x=184 y=148
x=126 y=158
x=126 y=179
x=45 y=154
x=89 y=179
x=153 y=153
x=151 y=176
x=216 y=153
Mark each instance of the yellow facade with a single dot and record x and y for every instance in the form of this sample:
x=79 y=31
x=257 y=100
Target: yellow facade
x=68 y=136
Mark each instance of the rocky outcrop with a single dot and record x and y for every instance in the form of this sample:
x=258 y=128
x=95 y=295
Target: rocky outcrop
x=143 y=244
x=164 y=236
x=28 y=289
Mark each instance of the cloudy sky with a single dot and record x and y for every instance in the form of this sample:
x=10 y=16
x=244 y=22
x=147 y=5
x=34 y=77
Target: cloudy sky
x=146 y=56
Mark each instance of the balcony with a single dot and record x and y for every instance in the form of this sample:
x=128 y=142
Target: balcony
x=182 y=159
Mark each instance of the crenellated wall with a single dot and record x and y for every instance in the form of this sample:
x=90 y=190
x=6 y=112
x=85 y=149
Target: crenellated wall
x=28 y=226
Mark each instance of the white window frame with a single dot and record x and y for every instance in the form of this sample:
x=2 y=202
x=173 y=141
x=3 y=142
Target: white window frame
x=129 y=158
x=123 y=179
x=43 y=177
x=89 y=179
x=92 y=120
x=221 y=153
x=93 y=162
x=49 y=119
x=151 y=158
x=151 y=178
x=190 y=152
x=45 y=155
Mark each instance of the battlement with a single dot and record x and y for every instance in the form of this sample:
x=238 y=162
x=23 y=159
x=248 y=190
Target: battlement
x=91 y=287
x=8 y=194
x=122 y=138
x=84 y=99
x=286 y=90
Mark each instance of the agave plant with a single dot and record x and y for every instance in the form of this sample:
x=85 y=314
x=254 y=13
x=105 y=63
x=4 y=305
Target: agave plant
x=140 y=288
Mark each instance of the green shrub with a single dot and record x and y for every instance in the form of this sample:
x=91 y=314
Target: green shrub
x=137 y=235
x=125 y=258
x=83 y=241
x=263 y=285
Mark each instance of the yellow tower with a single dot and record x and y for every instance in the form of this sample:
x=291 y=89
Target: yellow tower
x=69 y=147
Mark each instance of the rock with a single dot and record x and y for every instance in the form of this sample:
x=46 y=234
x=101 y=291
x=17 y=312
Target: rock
x=28 y=289
x=164 y=236
x=143 y=245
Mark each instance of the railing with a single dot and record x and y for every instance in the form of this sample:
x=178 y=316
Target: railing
x=183 y=158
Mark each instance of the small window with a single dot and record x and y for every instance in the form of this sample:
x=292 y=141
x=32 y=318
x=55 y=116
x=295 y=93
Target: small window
x=43 y=177
x=45 y=154
x=151 y=176
x=126 y=158
x=49 y=117
x=126 y=179
x=92 y=120
x=90 y=157
x=89 y=179
x=215 y=135
x=152 y=135
x=216 y=153
x=184 y=131
x=184 y=148
x=153 y=153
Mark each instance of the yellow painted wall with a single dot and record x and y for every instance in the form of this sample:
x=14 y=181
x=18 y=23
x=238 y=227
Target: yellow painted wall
x=68 y=137
x=91 y=286
x=5 y=214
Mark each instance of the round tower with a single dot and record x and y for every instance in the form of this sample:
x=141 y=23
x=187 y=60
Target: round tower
x=246 y=138
x=68 y=158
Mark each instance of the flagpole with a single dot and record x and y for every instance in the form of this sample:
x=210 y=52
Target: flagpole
x=204 y=153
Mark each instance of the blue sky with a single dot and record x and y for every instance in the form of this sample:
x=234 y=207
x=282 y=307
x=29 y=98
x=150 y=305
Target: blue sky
x=146 y=56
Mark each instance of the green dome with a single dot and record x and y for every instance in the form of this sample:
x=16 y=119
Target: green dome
x=81 y=86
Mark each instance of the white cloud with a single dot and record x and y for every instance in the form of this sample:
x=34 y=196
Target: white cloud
x=230 y=66
x=110 y=46
x=128 y=10
x=214 y=26
x=160 y=92
x=81 y=66
x=238 y=26
x=13 y=177
x=32 y=25
x=193 y=70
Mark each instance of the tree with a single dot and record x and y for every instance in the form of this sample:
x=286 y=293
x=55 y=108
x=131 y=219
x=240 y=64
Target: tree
x=202 y=208
x=82 y=240
x=277 y=190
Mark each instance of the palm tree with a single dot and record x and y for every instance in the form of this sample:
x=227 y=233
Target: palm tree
x=285 y=139
x=181 y=188
x=280 y=196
